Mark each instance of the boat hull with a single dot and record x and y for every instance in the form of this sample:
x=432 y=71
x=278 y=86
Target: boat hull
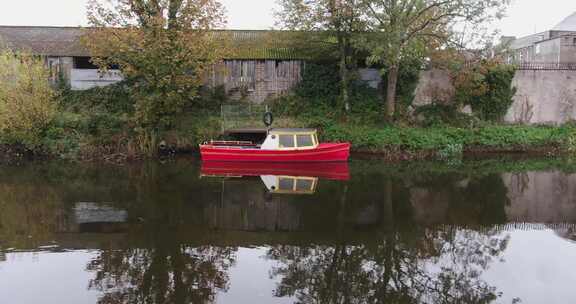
x=324 y=170
x=330 y=152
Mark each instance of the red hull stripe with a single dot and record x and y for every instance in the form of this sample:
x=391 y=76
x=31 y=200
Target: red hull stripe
x=324 y=152
x=297 y=153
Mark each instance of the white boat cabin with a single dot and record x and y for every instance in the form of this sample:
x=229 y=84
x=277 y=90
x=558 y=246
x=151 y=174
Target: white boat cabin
x=290 y=184
x=273 y=139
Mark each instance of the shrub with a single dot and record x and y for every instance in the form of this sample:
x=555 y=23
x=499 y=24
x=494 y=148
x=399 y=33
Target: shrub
x=487 y=88
x=439 y=114
x=451 y=151
x=27 y=101
x=115 y=98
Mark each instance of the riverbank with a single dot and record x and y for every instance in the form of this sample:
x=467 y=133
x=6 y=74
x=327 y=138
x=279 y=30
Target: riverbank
x=391 y=143
x=410 y=143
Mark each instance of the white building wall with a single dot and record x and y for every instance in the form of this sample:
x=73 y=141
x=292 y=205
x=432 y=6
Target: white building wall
x=87 y=79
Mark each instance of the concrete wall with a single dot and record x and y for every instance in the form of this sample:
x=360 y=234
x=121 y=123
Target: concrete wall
x=547 y=51
x=543 y=97
x=434 y=86
x=568 y=49
x=87 y=79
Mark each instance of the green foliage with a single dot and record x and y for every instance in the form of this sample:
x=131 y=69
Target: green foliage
x=163 y=49
x=316 y=96
x=495 y=138
x=451 y=151
x=487 y=88
x=408 y=77
x=436 y=114
x=319 y=81
x=115 y=98
x=27 y=101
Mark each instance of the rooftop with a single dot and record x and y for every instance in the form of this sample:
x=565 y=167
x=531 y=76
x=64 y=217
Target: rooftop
x=65 y=41
x=568 y=24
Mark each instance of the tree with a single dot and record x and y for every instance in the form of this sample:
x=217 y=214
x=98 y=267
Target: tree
x=410 y=28
x=337 y=20
x=162 y=47
x=27 y=100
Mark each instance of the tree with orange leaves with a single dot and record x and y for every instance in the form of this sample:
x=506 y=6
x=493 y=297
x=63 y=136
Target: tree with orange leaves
x=162 y=47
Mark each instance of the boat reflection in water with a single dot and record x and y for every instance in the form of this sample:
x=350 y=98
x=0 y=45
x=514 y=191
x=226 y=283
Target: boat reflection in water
x=280 y=178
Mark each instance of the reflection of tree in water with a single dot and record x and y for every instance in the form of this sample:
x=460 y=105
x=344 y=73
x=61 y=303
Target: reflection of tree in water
x=29 y=214
x=167 y=274
x=404 y=263
x=445 y=269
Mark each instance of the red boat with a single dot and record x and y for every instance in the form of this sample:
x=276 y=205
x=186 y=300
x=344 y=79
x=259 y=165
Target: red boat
x=323 y=170
x=275 y=145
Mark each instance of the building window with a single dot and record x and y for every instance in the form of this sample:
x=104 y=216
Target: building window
x=84 y=63
x=537 y=49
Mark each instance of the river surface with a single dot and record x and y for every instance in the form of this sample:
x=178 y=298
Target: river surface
x=475 y=231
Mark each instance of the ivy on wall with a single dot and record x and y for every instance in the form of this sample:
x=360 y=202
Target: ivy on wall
x=487 y=88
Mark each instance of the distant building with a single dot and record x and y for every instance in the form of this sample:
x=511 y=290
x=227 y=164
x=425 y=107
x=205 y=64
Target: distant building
x=555 y=46
x=256 y=71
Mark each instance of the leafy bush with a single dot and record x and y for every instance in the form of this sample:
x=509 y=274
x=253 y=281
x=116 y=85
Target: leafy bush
x=451 y=151
x=319 y=81
x=27 y=101
x=408 y=77
x=448 y=139
x=487 y=88
x=115 y=98
x=440 y=114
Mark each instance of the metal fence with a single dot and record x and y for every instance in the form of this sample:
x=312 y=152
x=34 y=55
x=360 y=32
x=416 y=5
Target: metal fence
x=243 y=115
x=546 y=66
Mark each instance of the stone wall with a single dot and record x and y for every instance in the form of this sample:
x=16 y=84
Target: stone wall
x=435 y=85
x=543 y=97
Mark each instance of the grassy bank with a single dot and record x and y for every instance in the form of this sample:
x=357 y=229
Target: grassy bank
x=448 y=142
x=96 y=125
x=88 y=134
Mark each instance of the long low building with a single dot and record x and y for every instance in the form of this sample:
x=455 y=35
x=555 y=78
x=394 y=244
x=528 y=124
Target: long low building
x=256 y=72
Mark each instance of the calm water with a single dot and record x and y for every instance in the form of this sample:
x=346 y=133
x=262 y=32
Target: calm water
x=468 y=232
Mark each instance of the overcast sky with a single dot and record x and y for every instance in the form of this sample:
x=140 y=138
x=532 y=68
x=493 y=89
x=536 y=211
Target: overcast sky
x=524 y=17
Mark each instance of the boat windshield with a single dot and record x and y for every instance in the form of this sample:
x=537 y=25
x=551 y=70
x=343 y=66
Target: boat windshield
x=297 y=140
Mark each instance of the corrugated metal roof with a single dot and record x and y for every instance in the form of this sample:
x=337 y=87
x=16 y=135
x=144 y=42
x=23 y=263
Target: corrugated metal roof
x=259 y=44
x=65 y=41
x=49 y=41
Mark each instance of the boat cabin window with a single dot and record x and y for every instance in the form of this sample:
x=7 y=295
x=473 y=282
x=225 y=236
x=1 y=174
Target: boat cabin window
x=287 y=141
x=305 y=185
x=305 y=141
x=286 y=184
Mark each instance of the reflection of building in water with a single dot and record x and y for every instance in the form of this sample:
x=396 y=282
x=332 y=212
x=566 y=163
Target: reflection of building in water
x=99 y=217
x=541 y=197
x=245 y=204
x=532 y=197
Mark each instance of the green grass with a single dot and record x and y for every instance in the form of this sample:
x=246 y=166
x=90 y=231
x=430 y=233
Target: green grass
x=411 y=139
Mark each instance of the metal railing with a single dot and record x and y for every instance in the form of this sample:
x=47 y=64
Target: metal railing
x=242 y=115
x=536 y=66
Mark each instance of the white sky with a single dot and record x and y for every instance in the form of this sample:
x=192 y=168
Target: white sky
x=524 y=17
